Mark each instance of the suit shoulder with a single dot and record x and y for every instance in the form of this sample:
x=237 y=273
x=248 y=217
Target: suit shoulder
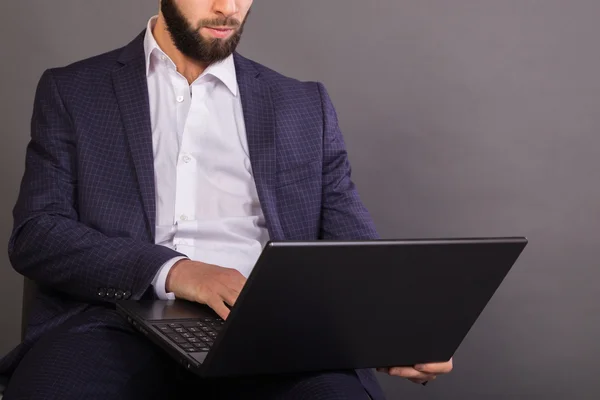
x=285 y=85
x=86 y=71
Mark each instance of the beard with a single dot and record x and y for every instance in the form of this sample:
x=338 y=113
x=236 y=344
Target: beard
x=188 y=40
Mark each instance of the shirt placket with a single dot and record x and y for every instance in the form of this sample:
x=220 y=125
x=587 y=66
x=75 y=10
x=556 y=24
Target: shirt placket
x=186 y=171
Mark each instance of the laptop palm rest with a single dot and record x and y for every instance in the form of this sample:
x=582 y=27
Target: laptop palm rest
x=170 y=310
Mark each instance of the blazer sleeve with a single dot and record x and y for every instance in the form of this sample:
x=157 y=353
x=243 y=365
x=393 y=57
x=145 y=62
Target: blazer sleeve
x=344 y=216
x=48 y=243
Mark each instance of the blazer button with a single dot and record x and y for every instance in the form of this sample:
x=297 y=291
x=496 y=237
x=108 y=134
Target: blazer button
x=110 y=293
x=127 y=295
x=119 y=295
x=101 y=292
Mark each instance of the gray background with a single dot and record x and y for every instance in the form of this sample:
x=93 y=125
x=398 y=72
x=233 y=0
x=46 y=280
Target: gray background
x=462 y=118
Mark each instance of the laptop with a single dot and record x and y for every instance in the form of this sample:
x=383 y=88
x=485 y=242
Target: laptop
x=319 y=306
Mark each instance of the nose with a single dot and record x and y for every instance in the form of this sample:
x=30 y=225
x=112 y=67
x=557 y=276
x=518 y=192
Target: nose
x=226 y=8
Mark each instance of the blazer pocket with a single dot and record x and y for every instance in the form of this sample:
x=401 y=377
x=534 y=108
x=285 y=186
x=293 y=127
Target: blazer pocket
x=298 y=174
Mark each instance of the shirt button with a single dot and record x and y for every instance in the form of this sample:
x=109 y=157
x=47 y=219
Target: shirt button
x=163 y=57
x=186 y=159
x=180 y=99
x=183 y=217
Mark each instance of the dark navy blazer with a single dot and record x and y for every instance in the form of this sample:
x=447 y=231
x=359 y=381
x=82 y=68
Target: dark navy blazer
x=85 y=217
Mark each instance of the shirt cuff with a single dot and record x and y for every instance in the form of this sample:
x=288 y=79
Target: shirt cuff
x=160 y=280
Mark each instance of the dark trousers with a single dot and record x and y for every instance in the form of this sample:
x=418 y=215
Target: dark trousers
x=97 y=355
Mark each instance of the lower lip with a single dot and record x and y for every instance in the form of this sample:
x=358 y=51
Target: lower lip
x=219 y=33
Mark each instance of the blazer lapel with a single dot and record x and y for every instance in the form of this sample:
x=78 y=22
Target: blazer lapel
x=259 y=118
x=131 y=89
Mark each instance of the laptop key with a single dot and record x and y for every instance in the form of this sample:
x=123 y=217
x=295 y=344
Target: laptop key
x=176 y=338
x=175 y=326
x=163 y=328
x=188 y=347
x=187 y=335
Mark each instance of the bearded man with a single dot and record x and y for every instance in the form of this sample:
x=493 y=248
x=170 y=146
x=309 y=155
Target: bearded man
x=159 y=171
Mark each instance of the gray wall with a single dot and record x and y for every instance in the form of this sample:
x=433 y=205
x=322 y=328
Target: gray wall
x=463 y=118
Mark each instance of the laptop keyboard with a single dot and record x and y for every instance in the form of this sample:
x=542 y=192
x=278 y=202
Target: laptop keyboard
x=196 y=336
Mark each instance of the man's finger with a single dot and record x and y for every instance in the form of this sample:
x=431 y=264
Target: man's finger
x=239 y=283
x=435 y=368
x=409 y=373
x=229 y=296
x=219 y=307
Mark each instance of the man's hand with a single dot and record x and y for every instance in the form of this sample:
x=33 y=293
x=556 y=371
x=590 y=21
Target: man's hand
x=420 y=373
x=206 y=284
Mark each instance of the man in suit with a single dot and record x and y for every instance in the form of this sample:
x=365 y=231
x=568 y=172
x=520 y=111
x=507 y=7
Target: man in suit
x=160 y=170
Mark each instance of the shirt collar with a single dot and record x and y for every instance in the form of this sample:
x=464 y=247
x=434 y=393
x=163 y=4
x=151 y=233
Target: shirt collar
x=223 y=70
x=150 y=46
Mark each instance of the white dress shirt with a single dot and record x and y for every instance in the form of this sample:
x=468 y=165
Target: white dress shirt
x=207 y=206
